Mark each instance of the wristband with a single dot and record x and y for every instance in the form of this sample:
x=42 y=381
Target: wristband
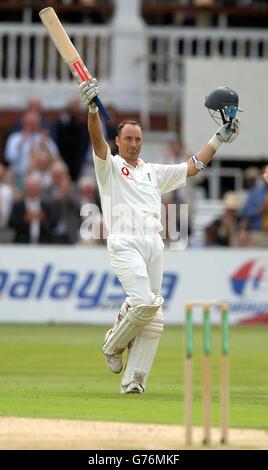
x=93 y=108
x=214 y=142
x=199 y=165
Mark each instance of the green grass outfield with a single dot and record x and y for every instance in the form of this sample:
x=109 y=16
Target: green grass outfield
x=57 y=371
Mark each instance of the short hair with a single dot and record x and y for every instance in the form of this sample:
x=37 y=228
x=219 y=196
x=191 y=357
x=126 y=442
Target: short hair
x=32 y=178
x=60 y=165
x=124 y=123
x=86 y=181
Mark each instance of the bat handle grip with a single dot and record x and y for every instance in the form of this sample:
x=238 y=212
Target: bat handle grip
x=102 y=109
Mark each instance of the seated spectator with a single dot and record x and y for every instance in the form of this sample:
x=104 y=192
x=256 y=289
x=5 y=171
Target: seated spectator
x=224 y=231
x=34 y=104
x=40 y=168
x=87 y=190
x=20 y=145
x=70 y=133
x=65 y=204
x=251 y=176
x=32 y=218
x=6 y=202
x=253 y=214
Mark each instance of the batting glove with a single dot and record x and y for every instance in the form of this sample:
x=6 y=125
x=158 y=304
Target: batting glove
x=226 y=133
x=88 y=91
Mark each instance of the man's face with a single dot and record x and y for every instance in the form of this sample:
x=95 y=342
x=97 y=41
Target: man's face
x=32 y=189
x=43 y=161
x=31 y=122
x=129 y=142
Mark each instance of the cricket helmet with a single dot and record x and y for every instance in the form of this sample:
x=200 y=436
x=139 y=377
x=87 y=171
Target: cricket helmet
x=222 y=100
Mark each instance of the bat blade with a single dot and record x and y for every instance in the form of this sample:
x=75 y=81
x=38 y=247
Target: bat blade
x=68 y=51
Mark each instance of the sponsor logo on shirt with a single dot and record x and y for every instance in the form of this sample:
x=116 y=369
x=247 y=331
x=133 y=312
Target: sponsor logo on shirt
x=125 y=171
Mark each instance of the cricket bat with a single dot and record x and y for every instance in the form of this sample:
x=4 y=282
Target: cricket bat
x=67 y=51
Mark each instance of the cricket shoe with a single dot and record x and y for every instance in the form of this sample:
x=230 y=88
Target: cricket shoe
x=114 y=361
x=133 y=387
x=136 y=386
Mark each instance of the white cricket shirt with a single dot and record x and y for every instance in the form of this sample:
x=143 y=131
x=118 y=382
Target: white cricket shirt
x=131 y=196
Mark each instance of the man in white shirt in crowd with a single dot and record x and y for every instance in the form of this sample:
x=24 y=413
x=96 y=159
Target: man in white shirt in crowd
x=6 y=202
x=20 y=145
x=130 y=191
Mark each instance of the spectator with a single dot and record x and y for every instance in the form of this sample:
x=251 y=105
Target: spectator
x=253 y=215
x=65 y=204
x=251 y=177
x=224 y=231
x=40 y=168
x=21 y=144
x=87 y=190
x=35 y=105
x=32 y=218
x=71 y=135
x=6 y=202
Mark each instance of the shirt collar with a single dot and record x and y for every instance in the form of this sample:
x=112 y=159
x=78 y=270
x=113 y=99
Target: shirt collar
x=141 y=162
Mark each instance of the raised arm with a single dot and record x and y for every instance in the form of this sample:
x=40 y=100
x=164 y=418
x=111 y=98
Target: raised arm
x=89 y=90
x=226 y=133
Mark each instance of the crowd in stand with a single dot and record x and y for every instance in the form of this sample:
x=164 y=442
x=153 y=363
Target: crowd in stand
x=244 y=222
x=47 y=176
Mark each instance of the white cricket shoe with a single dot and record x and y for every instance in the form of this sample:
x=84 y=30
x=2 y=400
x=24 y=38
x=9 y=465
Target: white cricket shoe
x=137 y=384
x=114 y=361
x=133 y=387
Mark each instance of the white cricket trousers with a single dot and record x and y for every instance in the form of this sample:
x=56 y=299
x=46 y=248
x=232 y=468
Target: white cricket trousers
x=138 y=263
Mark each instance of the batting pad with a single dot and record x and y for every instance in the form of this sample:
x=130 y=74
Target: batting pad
x=142 y=353
x=135 y=320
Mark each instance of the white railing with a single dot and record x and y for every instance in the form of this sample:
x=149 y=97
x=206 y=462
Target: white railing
x=168 y=47
x=29 y=63
x=31 y=66
x=26 y=53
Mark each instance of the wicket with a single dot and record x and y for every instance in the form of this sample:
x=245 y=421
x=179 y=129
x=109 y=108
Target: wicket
x=224 y=370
